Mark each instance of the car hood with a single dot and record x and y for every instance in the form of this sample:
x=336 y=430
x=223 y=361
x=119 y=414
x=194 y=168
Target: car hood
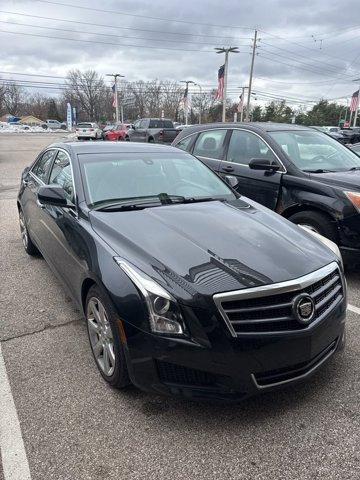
x=212 y=247
x=345 y=180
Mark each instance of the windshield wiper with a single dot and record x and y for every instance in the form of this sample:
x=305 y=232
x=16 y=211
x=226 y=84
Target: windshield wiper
x=319 y=170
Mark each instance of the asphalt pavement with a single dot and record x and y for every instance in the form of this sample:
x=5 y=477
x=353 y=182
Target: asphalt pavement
x=72 y=426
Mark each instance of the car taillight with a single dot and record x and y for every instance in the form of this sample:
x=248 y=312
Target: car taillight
x=92 y=129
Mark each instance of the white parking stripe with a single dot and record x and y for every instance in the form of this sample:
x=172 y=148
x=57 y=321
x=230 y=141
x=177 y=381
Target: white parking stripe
x=14 y=461
x=353 y=309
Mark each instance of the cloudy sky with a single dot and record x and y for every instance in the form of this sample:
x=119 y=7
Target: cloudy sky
x=306 y=50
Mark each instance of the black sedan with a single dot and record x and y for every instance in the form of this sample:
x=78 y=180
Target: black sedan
x=304 y=175
x=187 y=288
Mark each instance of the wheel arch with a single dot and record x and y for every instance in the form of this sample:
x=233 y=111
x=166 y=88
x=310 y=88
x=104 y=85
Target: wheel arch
x=288 y=212
x=85 y=287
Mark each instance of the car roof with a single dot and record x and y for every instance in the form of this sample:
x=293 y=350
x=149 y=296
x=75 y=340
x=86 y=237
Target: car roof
x=113 y=147
x=254 y=126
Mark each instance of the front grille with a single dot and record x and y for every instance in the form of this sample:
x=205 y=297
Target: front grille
x=171 y=373
x=287 y=374
x=269 y=310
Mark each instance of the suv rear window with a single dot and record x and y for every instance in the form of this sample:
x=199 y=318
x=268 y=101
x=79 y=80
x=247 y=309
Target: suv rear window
x=84 y=125
x=161 y=124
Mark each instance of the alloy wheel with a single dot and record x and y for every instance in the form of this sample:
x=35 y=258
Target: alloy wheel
x=101 y=336
x=23 y=229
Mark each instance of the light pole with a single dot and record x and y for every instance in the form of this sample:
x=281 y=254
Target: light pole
x=186 y=96
x=200 y=103
x=226 y=51
x=116 y=76
x=357 y=105
x=251 y=76
x=242 y=103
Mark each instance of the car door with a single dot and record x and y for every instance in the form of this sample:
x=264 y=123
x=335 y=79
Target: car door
x=63 y=244
x=142 y=131
x=210 y=147
x=260 y=185
x=35 y=178
x=134 y=133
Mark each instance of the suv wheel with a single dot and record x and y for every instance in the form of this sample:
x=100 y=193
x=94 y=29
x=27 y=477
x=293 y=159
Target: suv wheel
x=102 y=325
x=316 y=221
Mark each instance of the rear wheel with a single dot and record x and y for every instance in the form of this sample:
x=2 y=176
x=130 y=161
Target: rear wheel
x=103 y=329
x=317 y=222
x=29 y=246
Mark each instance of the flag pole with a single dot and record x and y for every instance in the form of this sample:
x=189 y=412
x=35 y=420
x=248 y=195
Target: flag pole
x=226 y=51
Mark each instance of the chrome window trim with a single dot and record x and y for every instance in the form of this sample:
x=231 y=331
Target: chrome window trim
x=243 y=130
x=274 y=289
x=36 y=161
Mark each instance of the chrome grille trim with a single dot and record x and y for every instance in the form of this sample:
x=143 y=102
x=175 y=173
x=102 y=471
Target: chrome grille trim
x=325 y=292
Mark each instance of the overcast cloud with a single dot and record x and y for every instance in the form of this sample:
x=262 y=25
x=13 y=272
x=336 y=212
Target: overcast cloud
x=318 y=54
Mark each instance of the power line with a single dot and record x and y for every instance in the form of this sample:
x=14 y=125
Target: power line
x=147 y=17
x=108 y=34
x=107 y=43
x=321 y=82
x=117 y=27
x=31 y=74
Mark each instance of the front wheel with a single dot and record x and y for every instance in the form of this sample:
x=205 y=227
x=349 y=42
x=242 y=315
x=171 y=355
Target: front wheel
x=317 y=222
x=103 y=330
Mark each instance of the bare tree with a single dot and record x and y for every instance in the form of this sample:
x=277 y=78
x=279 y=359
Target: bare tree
x=13 y=98
x=87 y=91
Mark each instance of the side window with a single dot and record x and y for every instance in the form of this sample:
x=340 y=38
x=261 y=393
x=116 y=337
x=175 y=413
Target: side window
x=42 y=166
x=185 y=143
x=143 y=124
x=61 y=174
x=210 y=144
x=137 y=124
x=244 y=146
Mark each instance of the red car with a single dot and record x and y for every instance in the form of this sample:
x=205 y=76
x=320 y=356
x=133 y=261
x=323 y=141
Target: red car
x=117 y=133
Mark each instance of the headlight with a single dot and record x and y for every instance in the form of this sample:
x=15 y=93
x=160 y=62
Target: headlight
x=354 y=198
x=329 y=243
x=164 y=314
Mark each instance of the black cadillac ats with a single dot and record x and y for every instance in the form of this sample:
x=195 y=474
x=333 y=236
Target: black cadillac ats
x=187 y=288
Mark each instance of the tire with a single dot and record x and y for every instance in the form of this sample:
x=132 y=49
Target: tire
x=104 y=338
x=28 y=244
x=317 y=221
x=127 y=139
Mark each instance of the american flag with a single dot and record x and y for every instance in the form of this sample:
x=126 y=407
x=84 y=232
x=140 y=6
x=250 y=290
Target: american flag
x=354 y=104
x=241 y=104
x=220 y=90
x=114 y=95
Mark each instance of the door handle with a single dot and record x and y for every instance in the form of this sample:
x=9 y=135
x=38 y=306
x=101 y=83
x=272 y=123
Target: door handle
x=228 y=169
x=25 y=183
x=39 y=204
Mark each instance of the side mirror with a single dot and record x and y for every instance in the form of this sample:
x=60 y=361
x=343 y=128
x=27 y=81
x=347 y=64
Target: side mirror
x=132 y=126
x=231 y=180
x=52 y=195
x=263 y=164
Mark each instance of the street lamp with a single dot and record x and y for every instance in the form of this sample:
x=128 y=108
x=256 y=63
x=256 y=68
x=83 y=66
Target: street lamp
x=187 y=97
x=226 y=51
x=116 y=76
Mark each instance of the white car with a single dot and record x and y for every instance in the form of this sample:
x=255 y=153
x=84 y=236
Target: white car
x=88 y=130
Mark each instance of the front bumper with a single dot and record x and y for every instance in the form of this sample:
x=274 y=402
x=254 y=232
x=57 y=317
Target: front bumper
x=220 y=367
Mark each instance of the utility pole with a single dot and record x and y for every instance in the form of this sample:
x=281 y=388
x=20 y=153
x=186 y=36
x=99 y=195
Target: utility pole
x=357 y=106
x=200 y=103
x=186 y=98
x=226 y=51
x=116 y=76
x=251 y=76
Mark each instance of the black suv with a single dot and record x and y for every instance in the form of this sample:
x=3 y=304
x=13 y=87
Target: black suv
x=302 y=174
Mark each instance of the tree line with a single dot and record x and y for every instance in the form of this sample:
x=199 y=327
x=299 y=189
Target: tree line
x=93 y=100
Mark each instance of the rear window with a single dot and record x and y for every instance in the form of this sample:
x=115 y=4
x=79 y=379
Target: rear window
x=84 y=125
x=161 y=124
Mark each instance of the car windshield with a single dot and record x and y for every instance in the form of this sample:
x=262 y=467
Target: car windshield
x=114 y=177
x=312 y=151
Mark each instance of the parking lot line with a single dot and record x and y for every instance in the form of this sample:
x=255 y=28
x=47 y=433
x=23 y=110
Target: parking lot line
x=14 y=461
x=354 y=309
